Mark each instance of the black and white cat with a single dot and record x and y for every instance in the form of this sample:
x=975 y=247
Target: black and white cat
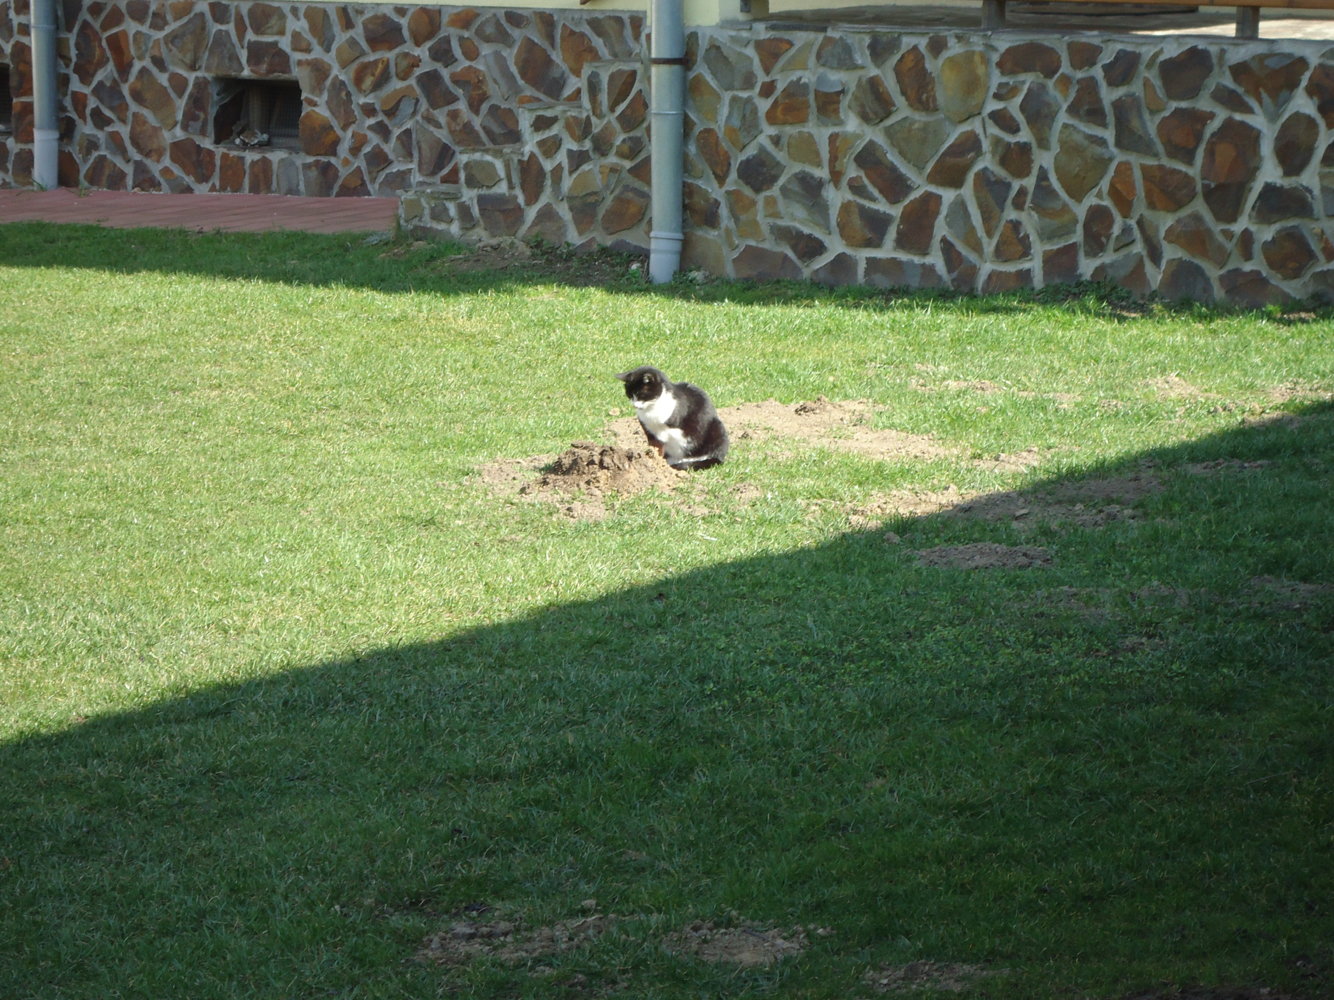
x=678 y=418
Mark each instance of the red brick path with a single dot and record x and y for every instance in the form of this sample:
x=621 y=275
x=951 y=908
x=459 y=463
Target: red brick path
x=251 y=213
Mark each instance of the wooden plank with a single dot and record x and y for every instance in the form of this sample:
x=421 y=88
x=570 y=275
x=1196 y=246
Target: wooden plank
x=1273 y=4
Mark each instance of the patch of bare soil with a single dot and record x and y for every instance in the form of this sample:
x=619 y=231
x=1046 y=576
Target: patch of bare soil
x=1289 y=595
x=1173 y=386
x=510 y=941
x=984 y=555
x=744 y=946
x=581 y=478
x=1090 y=503
x=1211 y=993
x=844 y=426
x=939 y=977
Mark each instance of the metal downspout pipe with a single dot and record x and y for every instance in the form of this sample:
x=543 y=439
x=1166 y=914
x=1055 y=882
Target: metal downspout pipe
x=46 y=124
x=667 y=74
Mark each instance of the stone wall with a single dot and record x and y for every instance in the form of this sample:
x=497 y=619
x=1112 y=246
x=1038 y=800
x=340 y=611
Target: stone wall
x=1195 y=168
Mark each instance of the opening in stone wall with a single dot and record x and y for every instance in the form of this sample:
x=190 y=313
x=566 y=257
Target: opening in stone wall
x=6 y=102
x=257 y=113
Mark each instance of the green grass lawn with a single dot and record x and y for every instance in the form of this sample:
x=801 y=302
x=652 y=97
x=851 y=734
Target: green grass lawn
x=288 y=693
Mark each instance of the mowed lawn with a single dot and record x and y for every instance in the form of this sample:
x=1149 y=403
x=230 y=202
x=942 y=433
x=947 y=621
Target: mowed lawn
x=294 y=702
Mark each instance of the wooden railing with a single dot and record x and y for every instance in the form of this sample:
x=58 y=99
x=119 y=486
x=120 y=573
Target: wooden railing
x=1248 y=11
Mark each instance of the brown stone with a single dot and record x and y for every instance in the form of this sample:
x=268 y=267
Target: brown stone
x=762 y=264
x=1086 y=104
x=625 y=210
x=770 y=50
x=711 y=149
x=1039 y=108
x=1005 y=120
x=1013 y=243
x=1083 y=55
x=883 y=173
x=1015 y=158
x=895 y=272
x=1232 y=157
x=633 y=113
x=990 y=193
x=383 y=32
x=962 y=84
x=917 y=223
x=1295 y=143
x=1194 y=234
x=370 y=75
x=231 y=173
x=760 y=171
x=1166 y=189
x=267 y=19
x=999 y=282
x=702 y=209
x=576 y=49
x=803 y=148
x=423 y=24
x=539 y=70
x=1060 y=265
x=1288 y=253
x=318 y=135
x=1055 y=219
x=1279 y=202
x=792 y=106
x=185 y=44
x=261 y=178
x=1081 y=161
x=704 y=99
x=862 y=226
x=1320 y=88
x=1099 y=223
x=349 y=51
x=146 y=138
x=744 y=211
x=462 y=132
x=1251 y=289
x=1270 y=79
x=621 y=85
x=871 y=100
x=193 y=160
x=828 y=102
x=918 y=140
x=147 y=92
x=1029 y=57
x=501 y=125
x=472 y=83
x=805 y=246
x=952 y=166
x=915 y=82
x=1131 y=129
x=1184 y=74
x=1185 y=280
x=441 y=52
x=266 y=59
x=1181 y=130
x=1120 y=69
x=500 y=215
x=839 y=271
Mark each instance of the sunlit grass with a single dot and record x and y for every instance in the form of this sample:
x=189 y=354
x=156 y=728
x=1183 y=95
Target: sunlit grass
x=284 y=688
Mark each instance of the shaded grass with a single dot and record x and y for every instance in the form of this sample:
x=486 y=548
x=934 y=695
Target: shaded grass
x=284 y=689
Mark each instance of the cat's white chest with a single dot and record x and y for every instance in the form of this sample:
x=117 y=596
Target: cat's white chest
x=654 y=415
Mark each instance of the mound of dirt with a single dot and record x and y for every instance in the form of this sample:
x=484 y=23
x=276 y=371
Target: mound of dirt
x=591 y=468
x=744 y=946
x=938 y=977
x=509 y=941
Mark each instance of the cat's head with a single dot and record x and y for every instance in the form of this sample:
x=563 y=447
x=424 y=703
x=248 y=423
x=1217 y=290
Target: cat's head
x=644 y=383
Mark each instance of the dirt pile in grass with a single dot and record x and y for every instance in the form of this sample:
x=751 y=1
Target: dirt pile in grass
x=512 y=942
x=937 y=977
x=747 y=947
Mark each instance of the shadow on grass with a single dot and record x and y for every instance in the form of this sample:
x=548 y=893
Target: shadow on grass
x=445 y=268
x=1100 y=775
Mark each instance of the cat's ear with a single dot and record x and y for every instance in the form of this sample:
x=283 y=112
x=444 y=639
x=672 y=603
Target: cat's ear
x=625 y=376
